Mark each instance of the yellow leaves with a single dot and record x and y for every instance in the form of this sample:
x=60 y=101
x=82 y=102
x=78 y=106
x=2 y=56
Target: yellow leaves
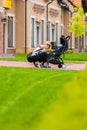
x=81 y=12
x=77 y=25
x=77 y=4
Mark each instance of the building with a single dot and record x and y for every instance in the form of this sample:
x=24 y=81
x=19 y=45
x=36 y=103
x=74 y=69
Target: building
x=11 y=26
x=84 y=5
x=79 y=44
x=24 y=23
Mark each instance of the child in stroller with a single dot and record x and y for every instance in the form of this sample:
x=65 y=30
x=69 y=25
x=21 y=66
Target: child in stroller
x=53 y=57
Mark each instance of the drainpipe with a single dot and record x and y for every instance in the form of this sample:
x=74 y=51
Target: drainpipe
x=47 y=15
x=25 y=26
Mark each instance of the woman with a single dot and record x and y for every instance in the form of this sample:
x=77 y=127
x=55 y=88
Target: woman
x=46 y=46
x=44 y=49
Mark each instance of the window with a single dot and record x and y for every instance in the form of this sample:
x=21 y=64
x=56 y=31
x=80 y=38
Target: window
x=42 y=31
x=38 y=33
x=76 y=42
x=48 y=32
x=10 y=31
x=82 y=40
x=32 y=32
x=62 y=31
x=53 y=32
x=86 y=37
x=56 y=32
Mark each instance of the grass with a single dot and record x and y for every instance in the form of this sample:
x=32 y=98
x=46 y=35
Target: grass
x=76 y=56
x=16 y=57
x=74 y=62
x=26 y=96
x=69 y=111
x=68 y=58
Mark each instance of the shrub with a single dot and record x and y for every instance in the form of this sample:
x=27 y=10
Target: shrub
x=69 y=51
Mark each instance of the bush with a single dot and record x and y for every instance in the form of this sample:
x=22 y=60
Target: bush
x=69 y=51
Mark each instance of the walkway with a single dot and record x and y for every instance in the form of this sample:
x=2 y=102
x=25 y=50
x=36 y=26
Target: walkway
x=30 y=65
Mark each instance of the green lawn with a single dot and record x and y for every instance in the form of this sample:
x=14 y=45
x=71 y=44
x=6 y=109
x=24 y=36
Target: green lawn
x=16 y=57
x=27 y=95
x=72 y=57
x=76 y=56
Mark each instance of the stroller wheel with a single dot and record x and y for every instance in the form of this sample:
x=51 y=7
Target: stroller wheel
x=59 y=65
x=63 y=66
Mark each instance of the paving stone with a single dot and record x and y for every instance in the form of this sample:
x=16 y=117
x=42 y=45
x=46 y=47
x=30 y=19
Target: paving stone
x=30 y=65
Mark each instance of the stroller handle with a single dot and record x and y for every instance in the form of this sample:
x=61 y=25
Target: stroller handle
x=68 y=37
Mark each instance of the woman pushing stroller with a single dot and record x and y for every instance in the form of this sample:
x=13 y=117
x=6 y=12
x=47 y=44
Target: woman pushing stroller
x=47 y=48
x=40 y=54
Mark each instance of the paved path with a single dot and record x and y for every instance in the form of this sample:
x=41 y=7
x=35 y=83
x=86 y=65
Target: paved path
x=30 y=65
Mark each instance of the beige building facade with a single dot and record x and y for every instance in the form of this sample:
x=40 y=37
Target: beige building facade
x=29 y=22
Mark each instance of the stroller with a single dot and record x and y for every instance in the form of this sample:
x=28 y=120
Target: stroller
x=53 y=57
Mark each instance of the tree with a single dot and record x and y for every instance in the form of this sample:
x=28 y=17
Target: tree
x=77 y=25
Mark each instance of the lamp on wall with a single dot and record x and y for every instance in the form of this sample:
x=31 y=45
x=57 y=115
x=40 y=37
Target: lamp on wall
x=4 y=19
x=3 y=15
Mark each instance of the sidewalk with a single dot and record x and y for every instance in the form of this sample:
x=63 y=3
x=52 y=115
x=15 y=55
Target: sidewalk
x=30 y=65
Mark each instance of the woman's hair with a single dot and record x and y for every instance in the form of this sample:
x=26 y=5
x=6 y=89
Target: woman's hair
x=48 y=43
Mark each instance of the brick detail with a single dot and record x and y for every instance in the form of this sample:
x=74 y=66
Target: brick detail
x=10 y=51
